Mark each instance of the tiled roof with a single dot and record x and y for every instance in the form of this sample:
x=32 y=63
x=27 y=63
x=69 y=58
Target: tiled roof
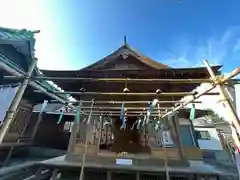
x=129 y=50
x=23 y=40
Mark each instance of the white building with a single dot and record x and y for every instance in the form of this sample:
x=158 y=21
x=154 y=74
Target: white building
x=207 y=134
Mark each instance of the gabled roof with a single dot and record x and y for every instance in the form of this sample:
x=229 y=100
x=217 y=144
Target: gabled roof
x=126 y=50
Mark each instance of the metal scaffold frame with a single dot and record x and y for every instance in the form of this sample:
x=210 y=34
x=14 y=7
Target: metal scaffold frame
x=28 y=80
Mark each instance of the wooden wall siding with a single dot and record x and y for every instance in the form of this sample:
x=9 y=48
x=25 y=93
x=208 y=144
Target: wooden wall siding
x=121 y=63
x=73 y=138
x=79 y=149
x=157 y=153
x=193 y=153
x=153 y=138
x=158 y=138
x=99 y=135
x=19 y=124
x=95 y=130
x=171 y=122
x=81 y=134
x=91 y=130
x=31 y=124
x=171 y=153
x=106 y=131
x=49 y=133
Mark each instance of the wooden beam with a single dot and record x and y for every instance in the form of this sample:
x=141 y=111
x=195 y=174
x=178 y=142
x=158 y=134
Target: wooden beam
x=119 y=108
x=128 y=102
x=223 y=80
x=100 y=113
x=16 y=101
x=120 y=80
x=35 y=85
x=128 y=94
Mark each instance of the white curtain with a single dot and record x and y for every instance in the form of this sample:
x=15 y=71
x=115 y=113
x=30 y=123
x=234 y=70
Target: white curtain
x=7 y=94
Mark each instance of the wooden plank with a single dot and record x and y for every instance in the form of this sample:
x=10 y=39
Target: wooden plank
x=5 y=144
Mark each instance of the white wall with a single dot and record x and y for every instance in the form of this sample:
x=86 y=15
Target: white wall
x=214 y=143
x=214 y=102
x=237 y=93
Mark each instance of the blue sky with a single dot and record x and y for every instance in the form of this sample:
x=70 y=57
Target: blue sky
x=75 y=33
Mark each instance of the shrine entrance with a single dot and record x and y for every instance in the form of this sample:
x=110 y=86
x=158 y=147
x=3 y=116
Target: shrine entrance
x=128 y=140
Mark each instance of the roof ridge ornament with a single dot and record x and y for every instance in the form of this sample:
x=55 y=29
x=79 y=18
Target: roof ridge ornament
x=125 y=40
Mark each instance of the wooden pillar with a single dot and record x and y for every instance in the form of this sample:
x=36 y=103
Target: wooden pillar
x=99 y=132
x=138 y=175
x=28 y=118
x=109 y=177
x=165 y=151
x=72 y=139
x=35 y=128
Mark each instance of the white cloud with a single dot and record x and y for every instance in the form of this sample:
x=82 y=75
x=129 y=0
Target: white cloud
x=237 y=46
x=216 y=49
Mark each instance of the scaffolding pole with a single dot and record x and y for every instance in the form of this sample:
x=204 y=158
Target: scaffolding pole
x=187 y=102
x=223 y=80
x=163 y=144
x=121 y=80
x=119 y=108
x=126 y=111
x=219 y=84
x=98 y=114
x=15 y=102
x=130 y=94
x=128 y=102
x=85 y=147
x=34 y=85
